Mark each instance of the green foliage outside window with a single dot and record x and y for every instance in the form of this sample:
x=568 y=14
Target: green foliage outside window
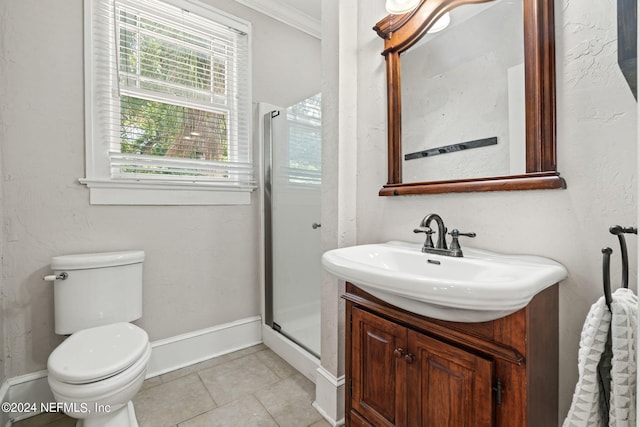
x=158 y=59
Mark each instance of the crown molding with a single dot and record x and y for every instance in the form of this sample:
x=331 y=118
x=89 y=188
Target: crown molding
x=283 y=13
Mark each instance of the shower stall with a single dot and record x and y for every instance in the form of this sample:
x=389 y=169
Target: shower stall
x=291 y=141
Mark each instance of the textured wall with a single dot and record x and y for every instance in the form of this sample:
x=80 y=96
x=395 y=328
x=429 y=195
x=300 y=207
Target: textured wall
x=597 y=155
x=202 y=262
x=3 y=112
x=339 y=133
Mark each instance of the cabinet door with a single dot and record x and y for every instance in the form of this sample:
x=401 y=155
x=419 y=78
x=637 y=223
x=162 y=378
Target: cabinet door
x=447 y=386
x=378 y=369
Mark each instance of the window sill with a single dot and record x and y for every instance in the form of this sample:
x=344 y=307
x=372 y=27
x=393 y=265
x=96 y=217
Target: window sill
x=117 y=192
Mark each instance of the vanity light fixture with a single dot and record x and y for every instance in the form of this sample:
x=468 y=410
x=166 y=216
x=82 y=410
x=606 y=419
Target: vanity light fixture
x=399 y=7
x=440 y=24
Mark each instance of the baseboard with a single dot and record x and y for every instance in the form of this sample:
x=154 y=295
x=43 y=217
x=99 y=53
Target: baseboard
x=330 y=396
x=295 y=355
x=25 y=392
x=167 y=355
x=183 y=350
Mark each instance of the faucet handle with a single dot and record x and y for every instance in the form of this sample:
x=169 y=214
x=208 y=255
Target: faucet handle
x=455 y=245
x=428 y=243
x=455 y=233
x=423 y=229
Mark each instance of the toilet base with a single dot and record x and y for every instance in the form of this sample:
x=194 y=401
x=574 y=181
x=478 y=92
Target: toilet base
x=123 y=417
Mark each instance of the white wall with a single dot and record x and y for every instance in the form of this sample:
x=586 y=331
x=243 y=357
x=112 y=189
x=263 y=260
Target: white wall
x=338 y=204
x=597 y=155
x=202 y=263
x=3 y=109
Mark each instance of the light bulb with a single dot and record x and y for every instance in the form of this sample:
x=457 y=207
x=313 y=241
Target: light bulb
x=399 y=7
x=440 y=24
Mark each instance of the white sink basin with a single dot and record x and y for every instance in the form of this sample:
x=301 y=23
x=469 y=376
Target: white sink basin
x=479 y=287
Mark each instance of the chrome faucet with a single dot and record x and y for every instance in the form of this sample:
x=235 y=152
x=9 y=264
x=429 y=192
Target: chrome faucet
x=440 y=247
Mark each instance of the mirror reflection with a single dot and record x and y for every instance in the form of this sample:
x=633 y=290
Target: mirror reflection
x=463 y=96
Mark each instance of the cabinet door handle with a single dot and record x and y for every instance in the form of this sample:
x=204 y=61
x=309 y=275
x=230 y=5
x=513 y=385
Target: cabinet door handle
x=398 y=352
x=410 y=358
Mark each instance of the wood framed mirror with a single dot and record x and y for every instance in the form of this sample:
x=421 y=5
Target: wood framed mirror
x=401 y=32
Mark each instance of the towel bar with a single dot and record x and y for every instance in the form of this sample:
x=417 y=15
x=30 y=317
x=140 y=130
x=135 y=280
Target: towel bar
x=619 y=231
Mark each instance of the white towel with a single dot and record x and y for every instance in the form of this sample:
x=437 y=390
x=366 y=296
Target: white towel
x=586 y=409
x=624 y=324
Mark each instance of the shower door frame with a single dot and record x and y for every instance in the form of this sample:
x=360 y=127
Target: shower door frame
x=267 y=150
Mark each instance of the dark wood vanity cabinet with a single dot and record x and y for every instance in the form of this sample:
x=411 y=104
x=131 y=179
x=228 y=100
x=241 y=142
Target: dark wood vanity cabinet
x=408 y=370
x=404 y=377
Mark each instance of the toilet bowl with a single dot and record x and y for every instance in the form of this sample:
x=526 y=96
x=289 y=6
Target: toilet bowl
x=95 y=373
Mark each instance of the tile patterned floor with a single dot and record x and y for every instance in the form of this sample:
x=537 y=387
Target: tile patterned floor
x=251 y=387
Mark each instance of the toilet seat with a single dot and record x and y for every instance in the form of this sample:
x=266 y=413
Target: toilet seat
x=104 y=391
x=98 y=353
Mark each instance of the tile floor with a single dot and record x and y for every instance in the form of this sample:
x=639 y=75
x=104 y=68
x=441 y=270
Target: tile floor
x=251 y=387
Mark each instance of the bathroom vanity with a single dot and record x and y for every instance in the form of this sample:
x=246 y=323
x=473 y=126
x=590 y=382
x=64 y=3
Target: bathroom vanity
x=404 y=369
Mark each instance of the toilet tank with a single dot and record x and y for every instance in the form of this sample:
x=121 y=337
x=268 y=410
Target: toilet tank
x=99 y=289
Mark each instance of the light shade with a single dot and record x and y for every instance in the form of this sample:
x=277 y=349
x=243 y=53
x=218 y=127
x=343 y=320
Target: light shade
x=440 y=24
x=398 y=7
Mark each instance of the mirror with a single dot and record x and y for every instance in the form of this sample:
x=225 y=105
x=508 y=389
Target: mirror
x=463 y=96
x=476 y=109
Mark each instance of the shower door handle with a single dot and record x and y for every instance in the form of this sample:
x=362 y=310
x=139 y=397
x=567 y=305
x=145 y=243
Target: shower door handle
x=315 y=225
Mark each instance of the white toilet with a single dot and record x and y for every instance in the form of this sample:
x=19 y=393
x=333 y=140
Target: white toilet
x=96 y=371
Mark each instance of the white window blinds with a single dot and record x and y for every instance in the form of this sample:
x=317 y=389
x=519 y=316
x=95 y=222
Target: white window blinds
x=171 y=93
x=305 y=142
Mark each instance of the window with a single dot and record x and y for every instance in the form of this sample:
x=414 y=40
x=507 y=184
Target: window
x=304 y=121
x=168 y=103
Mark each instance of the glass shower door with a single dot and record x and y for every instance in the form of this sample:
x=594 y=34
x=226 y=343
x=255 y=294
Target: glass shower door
x=292 y=186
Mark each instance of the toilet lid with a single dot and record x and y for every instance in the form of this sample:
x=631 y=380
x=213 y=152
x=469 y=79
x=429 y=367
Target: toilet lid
x=97 y=353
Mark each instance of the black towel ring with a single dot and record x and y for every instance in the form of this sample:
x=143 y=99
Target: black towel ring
x=606 y=261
